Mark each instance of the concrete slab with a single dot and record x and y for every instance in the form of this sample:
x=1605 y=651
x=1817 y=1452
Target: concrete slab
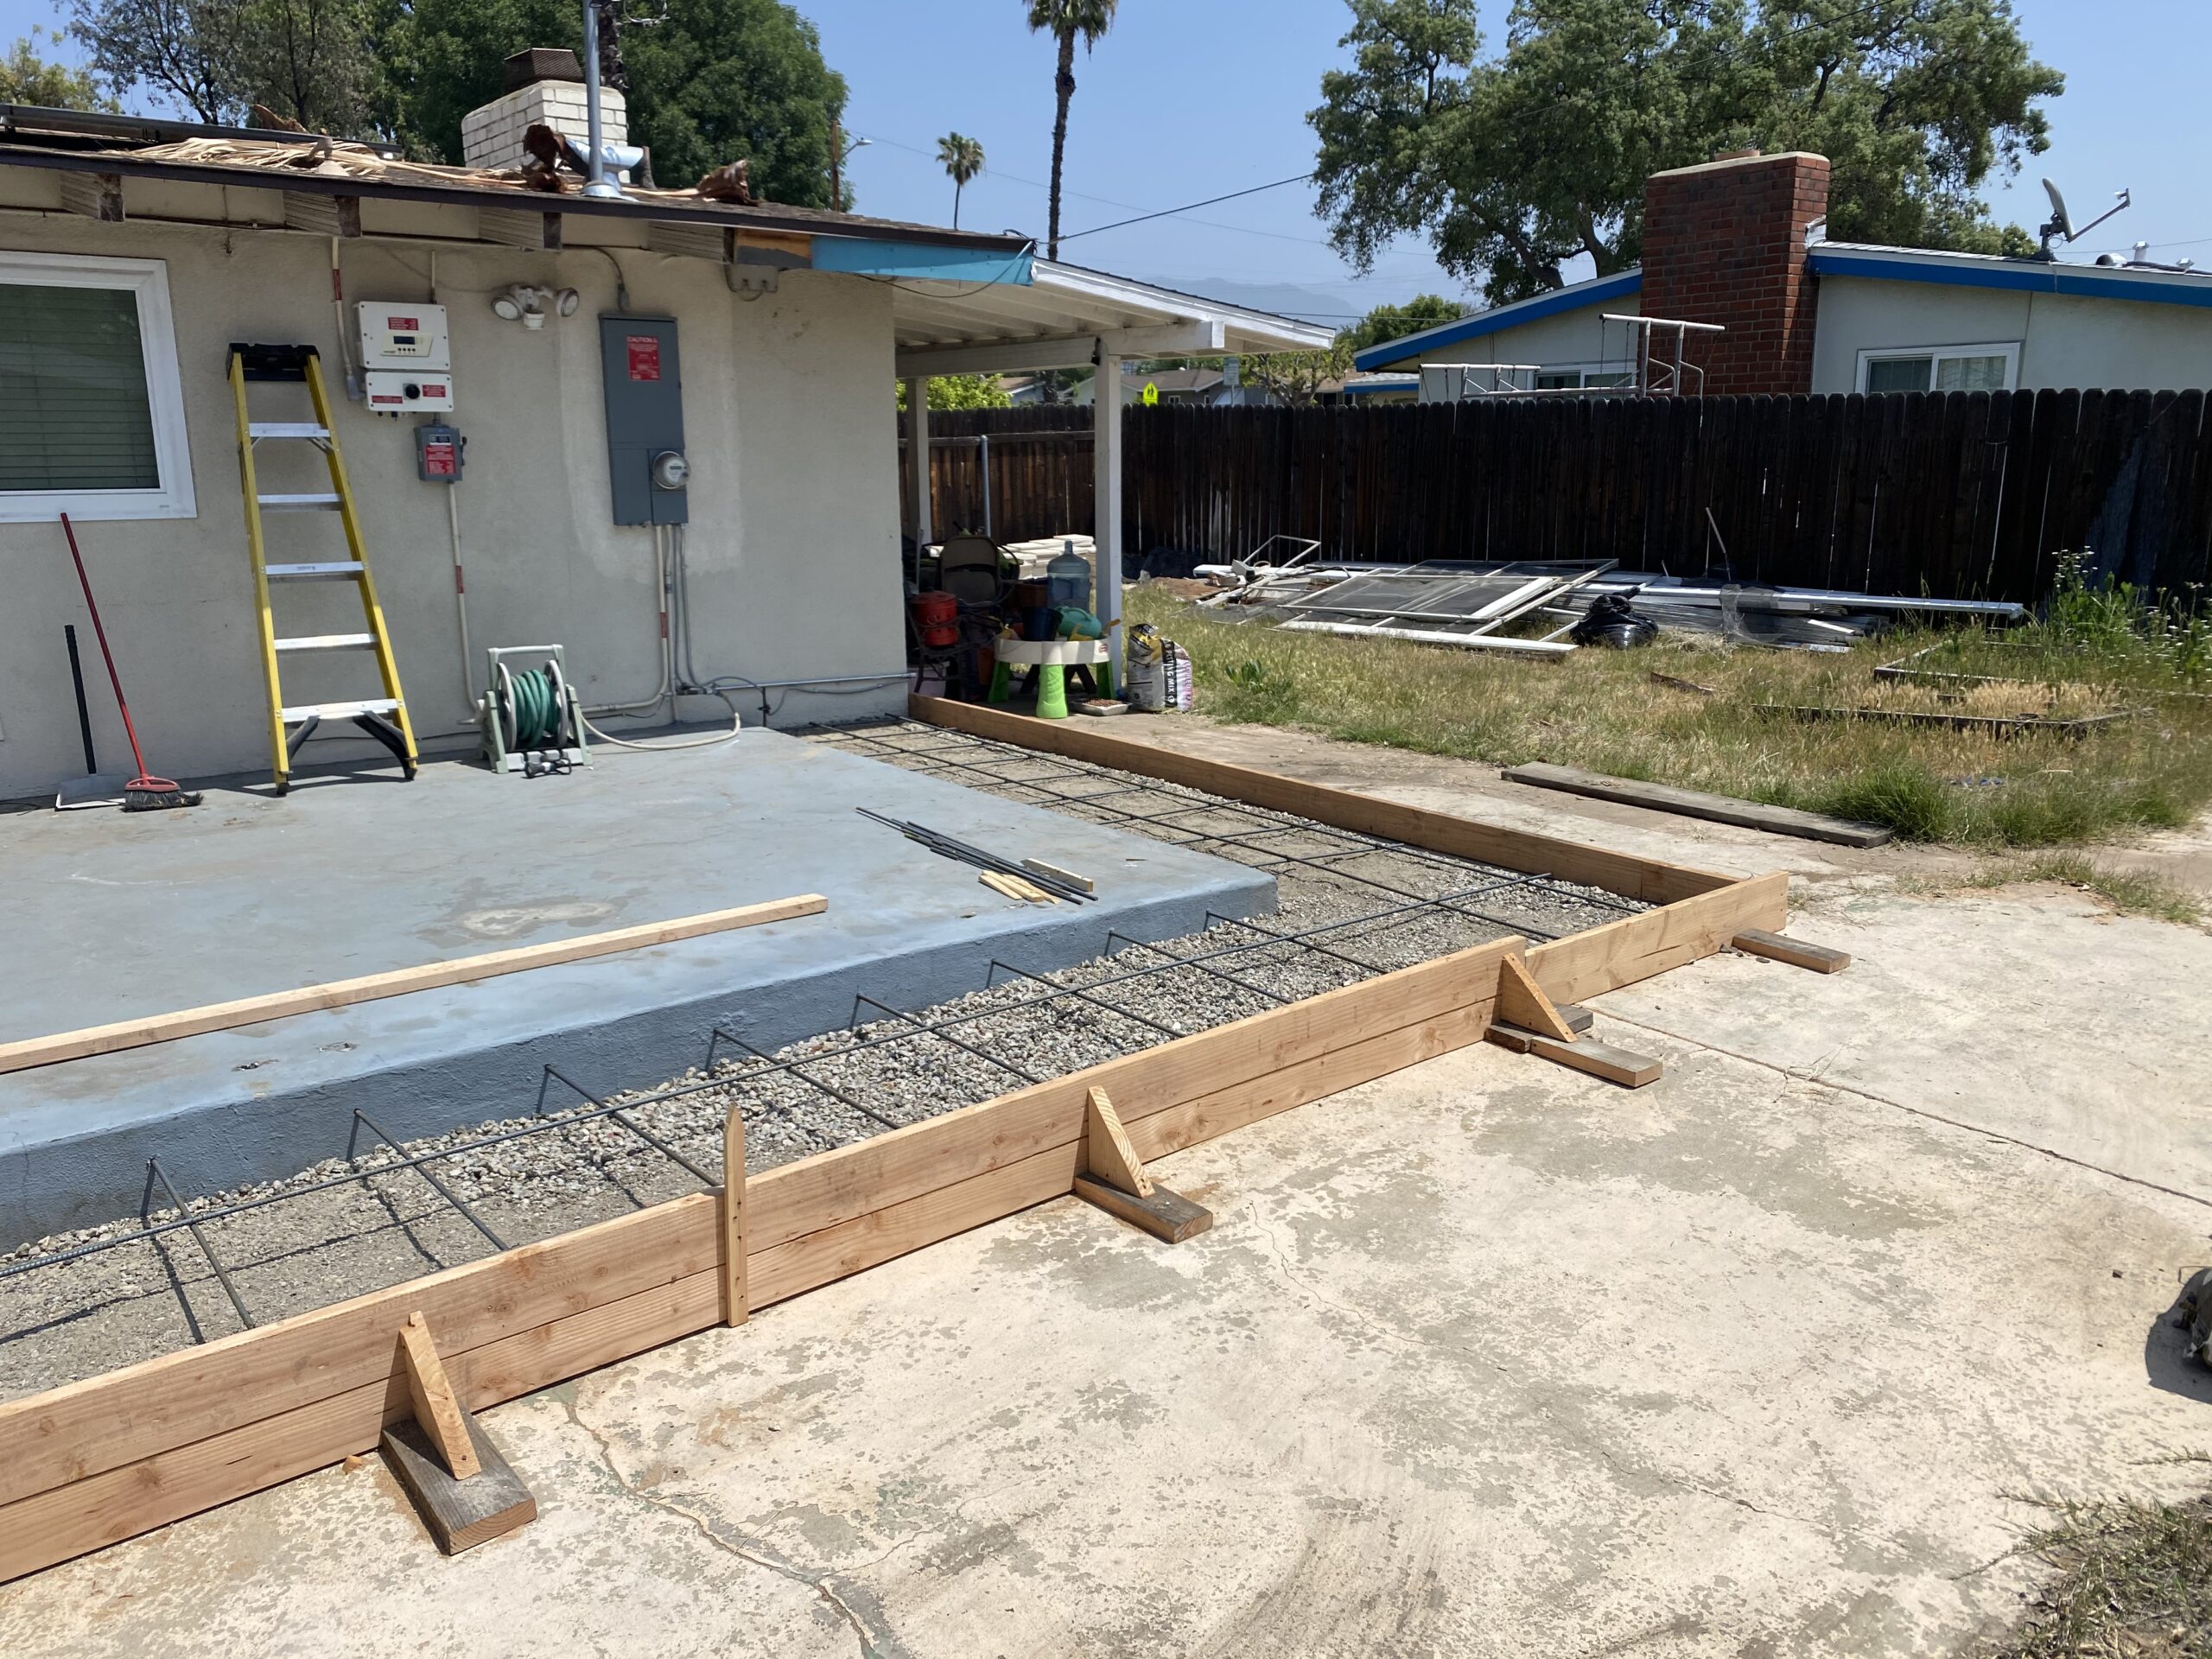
x=1485 y=1358
x=110 y=915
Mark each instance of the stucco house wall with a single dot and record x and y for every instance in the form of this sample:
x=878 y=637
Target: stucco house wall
x=792 y=545
x=2066 y=341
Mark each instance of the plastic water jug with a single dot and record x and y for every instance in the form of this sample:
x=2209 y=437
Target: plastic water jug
x=1068 y=578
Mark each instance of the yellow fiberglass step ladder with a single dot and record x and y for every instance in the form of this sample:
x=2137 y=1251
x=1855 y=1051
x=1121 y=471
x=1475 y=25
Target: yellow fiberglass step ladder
x=290 y=725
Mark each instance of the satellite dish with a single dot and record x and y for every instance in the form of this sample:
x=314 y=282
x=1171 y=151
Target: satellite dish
x=2061 y=220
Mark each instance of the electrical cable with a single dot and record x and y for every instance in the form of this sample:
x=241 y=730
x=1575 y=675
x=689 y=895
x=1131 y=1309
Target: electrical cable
x=1169 y=213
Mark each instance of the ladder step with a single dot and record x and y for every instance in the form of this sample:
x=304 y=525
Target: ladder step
x=300 y=711
x=316 y=503
x=327 y=642
x=311 y=572
x=287 y=429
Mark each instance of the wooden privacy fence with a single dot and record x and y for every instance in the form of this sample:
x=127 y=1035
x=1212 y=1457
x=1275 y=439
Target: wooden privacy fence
x=1958 y=494
x=1037 y=463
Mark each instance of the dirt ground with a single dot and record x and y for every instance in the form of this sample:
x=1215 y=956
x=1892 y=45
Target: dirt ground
x=1780 y=1356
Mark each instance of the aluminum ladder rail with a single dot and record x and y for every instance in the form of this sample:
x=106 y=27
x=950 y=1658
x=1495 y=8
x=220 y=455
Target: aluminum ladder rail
x=384 y=718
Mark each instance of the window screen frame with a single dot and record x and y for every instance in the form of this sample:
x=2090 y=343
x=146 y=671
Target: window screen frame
x=148 y=281
x=2007 y=349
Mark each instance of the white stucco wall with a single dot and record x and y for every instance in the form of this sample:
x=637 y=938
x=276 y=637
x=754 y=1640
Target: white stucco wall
x=2067 y=341
x=1581 y=336
x=793 y=543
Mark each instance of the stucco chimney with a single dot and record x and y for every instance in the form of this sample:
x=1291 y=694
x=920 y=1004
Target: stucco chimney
x=546 y=85
x=1725 y=243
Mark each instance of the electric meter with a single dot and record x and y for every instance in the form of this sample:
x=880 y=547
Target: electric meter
x=670 y=470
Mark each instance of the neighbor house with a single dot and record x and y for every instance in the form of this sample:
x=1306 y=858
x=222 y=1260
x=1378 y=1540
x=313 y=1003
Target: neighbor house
x=1740 y=243
x=586 y=340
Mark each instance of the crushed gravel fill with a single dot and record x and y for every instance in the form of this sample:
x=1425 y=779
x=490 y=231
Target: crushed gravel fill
x=1350 y=907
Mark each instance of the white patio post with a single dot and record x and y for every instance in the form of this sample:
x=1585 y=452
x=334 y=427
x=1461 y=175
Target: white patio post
x=1106 y=514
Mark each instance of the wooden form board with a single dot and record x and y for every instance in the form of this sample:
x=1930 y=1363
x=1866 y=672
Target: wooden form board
x=1648 y=880
x=398 y=982
x=94 y=1462
x=1696 y=803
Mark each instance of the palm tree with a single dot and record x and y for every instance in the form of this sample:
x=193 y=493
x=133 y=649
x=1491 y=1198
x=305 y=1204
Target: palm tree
x=1064 y=20
x=962 y=157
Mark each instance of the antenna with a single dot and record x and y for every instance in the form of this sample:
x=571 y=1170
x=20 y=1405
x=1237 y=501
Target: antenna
x=2061 y=222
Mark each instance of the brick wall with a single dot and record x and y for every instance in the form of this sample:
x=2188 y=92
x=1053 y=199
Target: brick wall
x=492 y=136
x=1725 y=243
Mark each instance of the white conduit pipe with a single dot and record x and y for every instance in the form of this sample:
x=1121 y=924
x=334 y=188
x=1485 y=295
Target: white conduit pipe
x=667 y=550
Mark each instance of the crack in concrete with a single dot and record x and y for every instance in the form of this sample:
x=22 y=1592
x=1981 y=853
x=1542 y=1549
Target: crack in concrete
x=819 y=1583
x=1815 y=1080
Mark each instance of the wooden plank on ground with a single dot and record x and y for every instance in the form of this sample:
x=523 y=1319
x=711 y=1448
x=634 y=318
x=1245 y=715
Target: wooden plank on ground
x=1622 y=873
x=1168 y=1216
x=461 y=1514
x=1757 y=942
x=398 y=982
x=1598 y=1059
x=1696 y=803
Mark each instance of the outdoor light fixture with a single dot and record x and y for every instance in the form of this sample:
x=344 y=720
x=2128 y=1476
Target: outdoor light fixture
x=531 y=306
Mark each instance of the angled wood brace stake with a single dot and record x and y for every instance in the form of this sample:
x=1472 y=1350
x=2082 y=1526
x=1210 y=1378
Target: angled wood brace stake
x=460 y=1486
x=1114 y=1178
x=1527 y=1021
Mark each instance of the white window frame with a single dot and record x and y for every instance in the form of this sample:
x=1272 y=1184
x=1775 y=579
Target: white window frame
x=148 y=281
x=2007 y=349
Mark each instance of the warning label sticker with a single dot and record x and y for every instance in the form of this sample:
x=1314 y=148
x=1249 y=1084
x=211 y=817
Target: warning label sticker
x=644 y=357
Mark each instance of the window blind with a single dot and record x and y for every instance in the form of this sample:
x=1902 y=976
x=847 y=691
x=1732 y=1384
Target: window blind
x=74 y=413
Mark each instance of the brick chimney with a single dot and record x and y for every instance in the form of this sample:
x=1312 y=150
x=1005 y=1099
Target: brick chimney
x=1725 y=243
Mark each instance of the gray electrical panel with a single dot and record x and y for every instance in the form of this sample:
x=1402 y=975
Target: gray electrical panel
x=645 y=420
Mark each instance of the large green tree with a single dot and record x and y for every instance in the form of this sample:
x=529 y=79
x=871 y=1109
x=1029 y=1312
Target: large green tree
x=309 y=60
x=1512 y=163
x=709 y=82
x=27 y=78
x=1396 y=322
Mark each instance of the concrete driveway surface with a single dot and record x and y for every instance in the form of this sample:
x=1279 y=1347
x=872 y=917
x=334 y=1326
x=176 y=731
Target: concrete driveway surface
x=1776 y=1356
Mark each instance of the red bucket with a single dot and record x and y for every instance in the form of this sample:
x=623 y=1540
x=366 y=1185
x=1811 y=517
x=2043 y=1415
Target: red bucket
x=936 y=619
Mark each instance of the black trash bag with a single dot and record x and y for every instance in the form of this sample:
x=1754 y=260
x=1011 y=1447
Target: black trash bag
x=1610 y=620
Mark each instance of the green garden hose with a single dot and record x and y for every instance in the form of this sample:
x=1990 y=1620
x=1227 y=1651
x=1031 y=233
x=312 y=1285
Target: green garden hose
x=535 y=708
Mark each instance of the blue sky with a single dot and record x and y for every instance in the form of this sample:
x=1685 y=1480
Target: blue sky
x=1190 y=98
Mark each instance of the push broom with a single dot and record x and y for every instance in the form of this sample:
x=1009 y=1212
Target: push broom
x=145 y=793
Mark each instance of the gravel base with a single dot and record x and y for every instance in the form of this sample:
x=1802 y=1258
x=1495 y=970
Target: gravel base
x=345 y=1228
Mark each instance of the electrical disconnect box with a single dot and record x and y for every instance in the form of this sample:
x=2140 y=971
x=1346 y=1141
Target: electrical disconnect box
x=406 y=356
x=645 y=420
x=440 y=451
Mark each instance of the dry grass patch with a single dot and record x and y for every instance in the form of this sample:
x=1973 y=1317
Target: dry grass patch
x=2132 y=1578
x=1687 y=713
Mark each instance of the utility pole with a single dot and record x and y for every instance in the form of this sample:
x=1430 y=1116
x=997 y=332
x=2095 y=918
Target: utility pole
x=836 y=156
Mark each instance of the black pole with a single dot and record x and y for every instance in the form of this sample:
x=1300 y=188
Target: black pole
x=84 y=714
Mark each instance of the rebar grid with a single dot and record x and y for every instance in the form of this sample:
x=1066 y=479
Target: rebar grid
x=747 y=1082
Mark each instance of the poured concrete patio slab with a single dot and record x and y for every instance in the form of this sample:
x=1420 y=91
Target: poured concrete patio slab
x=110 y=916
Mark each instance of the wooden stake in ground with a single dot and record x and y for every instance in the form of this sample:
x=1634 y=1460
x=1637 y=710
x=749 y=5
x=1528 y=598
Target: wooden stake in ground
x=736 y=1293
x=342 y=993
x=1116 y=1181
x=460 y=1486
x=1757 y=942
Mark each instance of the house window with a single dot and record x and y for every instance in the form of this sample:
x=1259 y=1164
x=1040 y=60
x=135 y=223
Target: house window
x=1581 y=376
x=92 y=411
x=1942 y=368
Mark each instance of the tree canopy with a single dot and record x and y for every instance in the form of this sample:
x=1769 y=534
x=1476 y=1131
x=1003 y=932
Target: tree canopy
x=1396 y=321
x=27 y=78
x=1512 y=164
x=959 y=391
x=311 y=61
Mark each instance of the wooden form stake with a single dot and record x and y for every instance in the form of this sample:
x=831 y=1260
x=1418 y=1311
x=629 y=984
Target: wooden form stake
x=1521 y=1002
x=92 y=1463
x=1112 y=1177
x=398 y=982
x=460 y=1486
x=735 y=1308
x=436 y=1408
x=1756 y=942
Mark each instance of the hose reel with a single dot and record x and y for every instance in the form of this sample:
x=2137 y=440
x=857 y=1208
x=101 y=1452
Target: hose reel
x=532 y=721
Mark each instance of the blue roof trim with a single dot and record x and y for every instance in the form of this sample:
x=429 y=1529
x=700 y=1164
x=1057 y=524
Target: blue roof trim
x=1596 y=291
x=2082 y=282
x=858 y=257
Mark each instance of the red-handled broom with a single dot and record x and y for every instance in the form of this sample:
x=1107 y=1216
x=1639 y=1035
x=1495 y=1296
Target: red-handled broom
x=145 y=793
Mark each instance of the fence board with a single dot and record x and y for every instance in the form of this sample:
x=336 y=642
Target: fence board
x=1957 y=494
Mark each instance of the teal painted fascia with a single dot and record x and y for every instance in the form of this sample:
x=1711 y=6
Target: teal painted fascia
x=858 y=257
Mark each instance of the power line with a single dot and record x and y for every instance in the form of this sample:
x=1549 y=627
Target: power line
x=1169 y=213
